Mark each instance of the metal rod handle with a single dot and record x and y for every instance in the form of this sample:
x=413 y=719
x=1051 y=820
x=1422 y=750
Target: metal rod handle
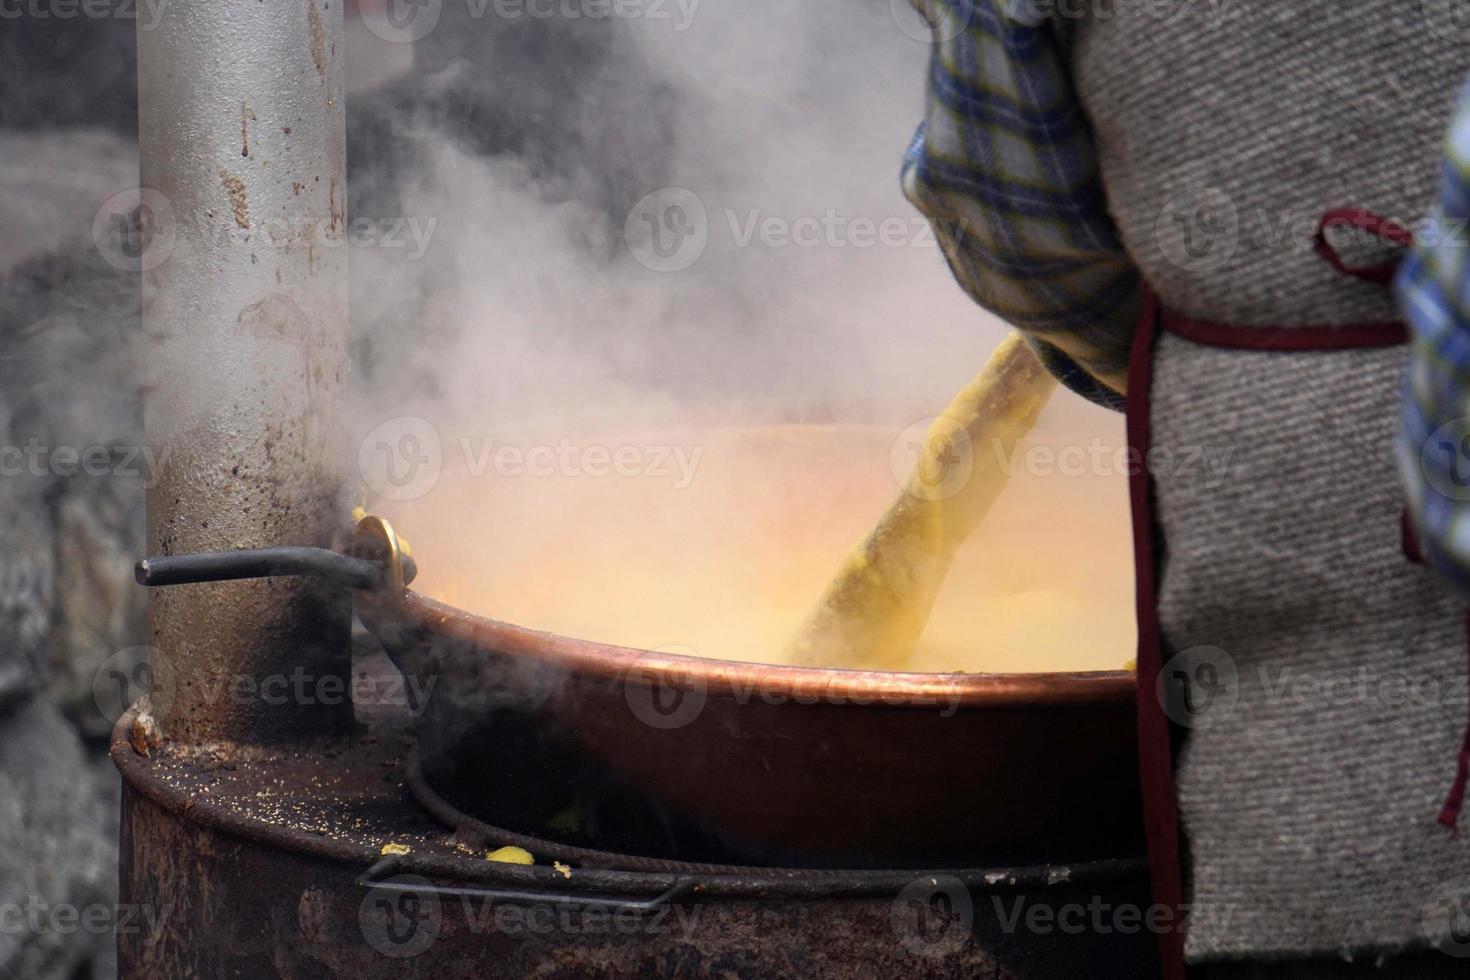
x=375 y=878
x=224 y=566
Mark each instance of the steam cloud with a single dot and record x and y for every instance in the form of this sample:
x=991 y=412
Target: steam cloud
x=527 y=143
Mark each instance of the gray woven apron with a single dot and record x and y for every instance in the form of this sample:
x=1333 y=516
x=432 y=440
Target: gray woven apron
x=1321 y=834
x=1307 y=818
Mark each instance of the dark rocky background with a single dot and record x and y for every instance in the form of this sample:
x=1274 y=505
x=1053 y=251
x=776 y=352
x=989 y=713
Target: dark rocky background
x=67 y=603
x=70 y=614
x=787 y=110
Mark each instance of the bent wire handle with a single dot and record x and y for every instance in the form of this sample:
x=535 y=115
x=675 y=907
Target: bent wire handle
x=224 y=566
x=372 y=879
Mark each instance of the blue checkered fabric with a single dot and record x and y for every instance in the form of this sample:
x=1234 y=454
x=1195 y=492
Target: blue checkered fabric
x=1005 y=169
x=1434 y=292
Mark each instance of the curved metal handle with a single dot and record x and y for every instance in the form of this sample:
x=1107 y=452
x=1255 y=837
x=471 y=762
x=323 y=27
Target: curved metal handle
x=224 y=566
x=374 y=877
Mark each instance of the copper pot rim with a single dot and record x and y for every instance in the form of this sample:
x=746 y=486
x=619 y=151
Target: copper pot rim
x=715 y=677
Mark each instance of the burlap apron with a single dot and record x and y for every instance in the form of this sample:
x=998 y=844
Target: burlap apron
x=1312 y=817
x=1279 y=619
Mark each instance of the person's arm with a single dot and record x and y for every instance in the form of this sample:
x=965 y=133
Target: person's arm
x=1005 y=170
x=1434 y=293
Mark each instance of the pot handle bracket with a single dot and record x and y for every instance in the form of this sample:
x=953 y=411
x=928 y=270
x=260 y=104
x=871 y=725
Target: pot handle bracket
x=377 y=561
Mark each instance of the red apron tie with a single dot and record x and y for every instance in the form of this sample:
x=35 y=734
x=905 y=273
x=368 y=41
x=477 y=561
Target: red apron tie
x=1155 y=748
x=1396 y=234
x=1359 y=219
x=1454 y=804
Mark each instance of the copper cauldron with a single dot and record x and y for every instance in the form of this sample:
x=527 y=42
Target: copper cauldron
x=696 y=759
x=704 y=759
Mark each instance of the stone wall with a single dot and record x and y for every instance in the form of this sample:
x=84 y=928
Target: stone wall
x=68 y=325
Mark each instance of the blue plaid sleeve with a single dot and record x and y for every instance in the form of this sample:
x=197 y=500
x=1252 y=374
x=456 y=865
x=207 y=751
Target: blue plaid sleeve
x=1434 y=293
x=1005 y=169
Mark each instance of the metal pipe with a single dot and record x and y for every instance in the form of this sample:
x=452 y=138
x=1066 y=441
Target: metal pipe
x=228 y=566
x=242 y=143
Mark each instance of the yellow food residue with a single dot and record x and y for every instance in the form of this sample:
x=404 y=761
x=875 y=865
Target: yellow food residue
x=562 y=869
x=511 y=855
x=395 y=849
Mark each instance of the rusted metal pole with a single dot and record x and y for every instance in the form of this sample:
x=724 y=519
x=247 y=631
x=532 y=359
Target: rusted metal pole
x=242 y=141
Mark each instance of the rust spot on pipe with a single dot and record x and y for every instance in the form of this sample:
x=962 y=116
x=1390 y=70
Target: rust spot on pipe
x=247 y=115
x=337 y=204
x=235 y=188
x=277 y=315
x=143 y=735
x=318 y=41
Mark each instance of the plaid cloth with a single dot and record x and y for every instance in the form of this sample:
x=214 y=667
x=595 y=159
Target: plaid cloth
x=1434 y=292
x=1005 y=169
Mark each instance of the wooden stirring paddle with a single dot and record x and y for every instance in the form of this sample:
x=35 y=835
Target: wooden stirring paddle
x=871 y=615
